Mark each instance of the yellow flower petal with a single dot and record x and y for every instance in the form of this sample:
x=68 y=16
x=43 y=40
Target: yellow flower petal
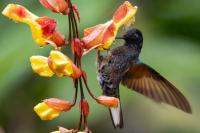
x=61 y=64
x=40 y=66
x=45 y=112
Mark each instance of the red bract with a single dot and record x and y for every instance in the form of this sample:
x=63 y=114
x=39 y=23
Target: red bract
x=48 y=25
x=58 y=104
x=77 y=47
x=84 y=107
x=58 y=6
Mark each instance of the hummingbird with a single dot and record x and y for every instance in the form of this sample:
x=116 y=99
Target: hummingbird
x=122 y=65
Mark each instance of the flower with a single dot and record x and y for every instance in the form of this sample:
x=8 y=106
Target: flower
x=125 y=13
x=57 y=63
x=58 y=6
x=40 y=66
x=62 y=65
x=101 y=36
x=51 y=108
x=108 y=101
x=43 y=28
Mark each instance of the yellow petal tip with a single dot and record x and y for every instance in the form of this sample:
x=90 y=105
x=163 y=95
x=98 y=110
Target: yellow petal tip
x=45 y=112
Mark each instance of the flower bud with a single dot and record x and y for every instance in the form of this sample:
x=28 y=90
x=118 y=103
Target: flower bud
x=60 y=105
x=40 y=66
x=108 y=101
x=58 y=6
x=77 y=47
x=84 y=107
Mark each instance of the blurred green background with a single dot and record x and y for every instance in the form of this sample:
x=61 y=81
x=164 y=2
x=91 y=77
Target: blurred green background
x=171 y=45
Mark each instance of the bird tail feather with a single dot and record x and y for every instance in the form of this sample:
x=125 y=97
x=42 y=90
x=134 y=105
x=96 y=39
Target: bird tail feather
x=117 y=116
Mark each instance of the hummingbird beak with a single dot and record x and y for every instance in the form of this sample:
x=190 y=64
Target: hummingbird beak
x=119 y=37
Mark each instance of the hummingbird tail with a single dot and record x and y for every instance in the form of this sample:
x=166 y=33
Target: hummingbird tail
x=117 y=116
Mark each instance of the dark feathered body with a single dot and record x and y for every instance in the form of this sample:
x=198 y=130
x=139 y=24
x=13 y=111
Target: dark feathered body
x=113 y=67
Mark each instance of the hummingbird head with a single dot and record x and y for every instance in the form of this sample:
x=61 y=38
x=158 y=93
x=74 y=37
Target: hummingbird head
x=133 y=38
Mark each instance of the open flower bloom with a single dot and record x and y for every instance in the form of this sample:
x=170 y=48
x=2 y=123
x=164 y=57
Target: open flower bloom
x=57 y=63
x=58 y=6
x=125 y=13
x=108 y=101
x=51 y=108
x=102 y=35
x=62 y=65
x=43 y=28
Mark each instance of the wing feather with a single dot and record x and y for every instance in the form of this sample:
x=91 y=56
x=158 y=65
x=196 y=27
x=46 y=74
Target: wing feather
x=145 y=80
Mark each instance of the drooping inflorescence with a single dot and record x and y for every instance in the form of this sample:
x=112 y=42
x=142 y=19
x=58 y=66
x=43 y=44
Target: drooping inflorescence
x=44 y=32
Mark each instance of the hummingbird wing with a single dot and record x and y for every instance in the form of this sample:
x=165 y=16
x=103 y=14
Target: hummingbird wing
x=145 y=80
